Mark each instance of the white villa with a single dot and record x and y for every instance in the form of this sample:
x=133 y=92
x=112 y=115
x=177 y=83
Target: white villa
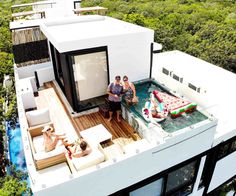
x=64 y=61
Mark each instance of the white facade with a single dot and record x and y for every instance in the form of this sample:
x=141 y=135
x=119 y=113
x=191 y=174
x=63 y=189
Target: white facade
x=128 y=45
x=129 y=53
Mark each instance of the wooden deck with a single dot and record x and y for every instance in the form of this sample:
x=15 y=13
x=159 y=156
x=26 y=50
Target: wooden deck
x=122 y=132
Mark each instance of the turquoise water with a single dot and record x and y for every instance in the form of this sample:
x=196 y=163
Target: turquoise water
x=16 y=151
x=170 y=125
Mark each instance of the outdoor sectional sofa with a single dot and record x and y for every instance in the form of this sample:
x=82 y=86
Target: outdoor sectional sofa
x=37 y=119
x=95 y=157
x=42 y=158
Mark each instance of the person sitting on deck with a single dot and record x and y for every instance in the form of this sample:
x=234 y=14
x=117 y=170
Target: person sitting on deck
x=78 y=149
x=51 y=139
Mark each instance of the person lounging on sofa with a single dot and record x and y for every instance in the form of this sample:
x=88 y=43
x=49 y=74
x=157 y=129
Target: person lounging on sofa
x=78 y=161
x=37 y=121
x=42 y=158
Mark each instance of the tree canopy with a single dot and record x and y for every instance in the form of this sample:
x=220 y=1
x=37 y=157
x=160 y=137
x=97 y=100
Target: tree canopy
x=203 y=28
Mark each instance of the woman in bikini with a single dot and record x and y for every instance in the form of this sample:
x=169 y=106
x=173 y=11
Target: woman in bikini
x=51 y=139
x=129 y=91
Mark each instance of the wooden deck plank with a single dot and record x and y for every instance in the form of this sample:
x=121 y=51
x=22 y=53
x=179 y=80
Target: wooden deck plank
x=49 y=98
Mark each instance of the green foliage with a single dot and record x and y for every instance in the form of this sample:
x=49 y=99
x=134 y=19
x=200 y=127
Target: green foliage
x=6 y=65
x=12 y=186
x=204 y=28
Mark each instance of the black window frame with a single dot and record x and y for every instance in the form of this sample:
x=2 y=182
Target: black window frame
x=70 y=56
x=230 y=146
x=186 y=184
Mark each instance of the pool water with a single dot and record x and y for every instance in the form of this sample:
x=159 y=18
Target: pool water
x=143 y=90
x=16 y=151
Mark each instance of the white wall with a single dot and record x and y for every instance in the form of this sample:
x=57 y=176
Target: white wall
x=224 y=170
x=127 y=54
x=45 y=74
x=134 y=169
x=28 y=71
x=130 y=55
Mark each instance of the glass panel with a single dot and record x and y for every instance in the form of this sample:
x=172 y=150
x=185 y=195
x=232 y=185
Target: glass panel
x=152 y=189
x=183 y=192
x=223 y=150
x=233 y=147
x=180 y=176
x=90 y=73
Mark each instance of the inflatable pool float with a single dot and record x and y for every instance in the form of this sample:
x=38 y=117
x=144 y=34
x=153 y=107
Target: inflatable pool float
x=157 y=118
x=160 y=112
x=176 y=106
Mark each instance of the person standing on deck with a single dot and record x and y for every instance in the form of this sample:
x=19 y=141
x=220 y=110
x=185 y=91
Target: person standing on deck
x=129 y=91
x=115 y=90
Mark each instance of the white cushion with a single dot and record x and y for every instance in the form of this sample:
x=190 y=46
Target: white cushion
x=37 y=117
x=44 y=155
x=38 y=144
x=95 y=157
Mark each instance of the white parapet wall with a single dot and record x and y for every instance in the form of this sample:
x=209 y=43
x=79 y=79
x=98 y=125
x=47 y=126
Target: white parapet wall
x=28 y=71
x=130 y=169
x=45 y=75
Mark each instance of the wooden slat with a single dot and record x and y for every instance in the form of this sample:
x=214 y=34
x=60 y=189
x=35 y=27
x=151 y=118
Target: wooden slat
x=117 y=129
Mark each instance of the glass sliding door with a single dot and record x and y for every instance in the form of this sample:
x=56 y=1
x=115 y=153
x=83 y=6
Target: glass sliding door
x=90 y=75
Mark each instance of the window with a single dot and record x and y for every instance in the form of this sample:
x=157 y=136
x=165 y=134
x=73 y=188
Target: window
x=192 y=86
x=165 y=71
x=233 y=146
x=226 y=148
x=77 y=4
x=223 y=151
x=151 y=189
x=181 y=179
x=90 y=74
x=173 y=182
x=178 y=78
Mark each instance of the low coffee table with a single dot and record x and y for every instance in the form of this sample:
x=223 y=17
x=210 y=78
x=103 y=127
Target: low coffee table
x=96 y=134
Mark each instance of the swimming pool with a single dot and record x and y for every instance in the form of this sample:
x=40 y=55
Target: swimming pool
x=16 y=151
x=143 y=90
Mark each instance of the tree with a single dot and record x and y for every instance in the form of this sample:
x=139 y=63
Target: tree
x=12 y=186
